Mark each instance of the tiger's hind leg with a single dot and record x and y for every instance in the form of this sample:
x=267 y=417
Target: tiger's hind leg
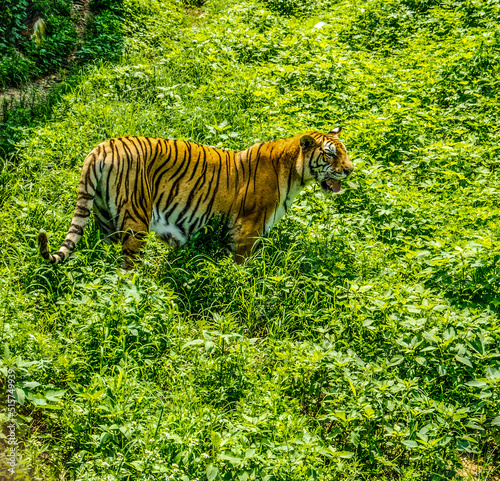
x=133 y=242
x=130 y=211
x=127 y=224
x=108 y=230
x=133 y=237
x=105 y=221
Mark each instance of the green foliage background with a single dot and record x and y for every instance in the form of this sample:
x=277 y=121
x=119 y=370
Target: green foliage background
x=359 y=342
x=23 y=59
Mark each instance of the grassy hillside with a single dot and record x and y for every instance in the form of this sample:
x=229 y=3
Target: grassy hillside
x=360 y=342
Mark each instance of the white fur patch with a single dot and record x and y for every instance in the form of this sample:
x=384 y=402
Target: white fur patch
x=282 y=208
x=168 y=233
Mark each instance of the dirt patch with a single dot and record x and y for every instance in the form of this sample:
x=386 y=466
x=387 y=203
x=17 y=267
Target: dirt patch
x=475 y=469
x=41 y=86
x=80 y=12
x=195 y=13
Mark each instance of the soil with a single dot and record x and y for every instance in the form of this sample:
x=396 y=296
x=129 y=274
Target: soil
x=41 y=86
x=476 y=469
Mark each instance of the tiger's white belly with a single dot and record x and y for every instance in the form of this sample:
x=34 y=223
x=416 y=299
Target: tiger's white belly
x=168 y=233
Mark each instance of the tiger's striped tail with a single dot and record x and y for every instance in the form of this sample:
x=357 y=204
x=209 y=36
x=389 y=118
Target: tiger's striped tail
x=91 y=173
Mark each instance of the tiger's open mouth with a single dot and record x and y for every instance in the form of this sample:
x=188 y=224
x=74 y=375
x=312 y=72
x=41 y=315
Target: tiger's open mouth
x=331 y=185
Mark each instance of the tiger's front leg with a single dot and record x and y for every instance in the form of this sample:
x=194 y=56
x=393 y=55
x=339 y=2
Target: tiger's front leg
x=245 y=234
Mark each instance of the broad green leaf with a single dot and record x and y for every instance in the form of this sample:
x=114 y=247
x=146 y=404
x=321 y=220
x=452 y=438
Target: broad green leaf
x=31 y=385
x=20 y=395
x=464 y=360
x=472 y=425
x=410 y=444
x=195 y=342
x=212 y=472
x=55 y=396
x=476 y=383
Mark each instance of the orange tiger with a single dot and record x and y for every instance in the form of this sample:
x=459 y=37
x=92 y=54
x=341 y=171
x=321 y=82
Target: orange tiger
x=175 y=187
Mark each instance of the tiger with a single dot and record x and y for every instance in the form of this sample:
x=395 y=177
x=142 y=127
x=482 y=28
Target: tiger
x=175 y=187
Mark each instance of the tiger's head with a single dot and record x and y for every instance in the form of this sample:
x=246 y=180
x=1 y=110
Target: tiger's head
x=325 y=159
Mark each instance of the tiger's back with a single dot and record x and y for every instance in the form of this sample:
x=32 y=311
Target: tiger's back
x=175 y=187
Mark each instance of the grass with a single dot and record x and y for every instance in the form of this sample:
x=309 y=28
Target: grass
x=361 y=339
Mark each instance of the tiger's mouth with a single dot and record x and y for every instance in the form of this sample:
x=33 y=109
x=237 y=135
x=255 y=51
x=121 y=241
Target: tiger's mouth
x=331 y=185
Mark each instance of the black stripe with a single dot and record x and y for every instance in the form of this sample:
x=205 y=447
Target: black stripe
x=193 y=192
x=142 y=155
x=59 y=254
x=243 y=204
x=256 y=166
x=75 y=229
x=124 y=156
x=185 y=159
x=114 y=151
x=228 y=167
x=236 y=183
x=134 y=161
x=174 y=191
x=160 y=172
x=139 y=211
x=81 y=211
x=210 y=185
x=216 y=188
x=175 y=156
x=123 y=188
x=276 y=172
x=289 y=183
x=241 y=162
x=102 y=161
x=69 y=244
x=195 y=209
x=85 y=195
x=195 y=168
x=169 y=213
x=153 y=160
x=194 y=227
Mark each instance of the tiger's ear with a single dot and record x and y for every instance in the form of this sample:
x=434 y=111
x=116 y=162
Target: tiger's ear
x=335 y=131
x=307 y=143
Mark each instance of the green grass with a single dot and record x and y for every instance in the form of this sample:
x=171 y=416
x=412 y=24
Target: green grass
x=359 y=342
